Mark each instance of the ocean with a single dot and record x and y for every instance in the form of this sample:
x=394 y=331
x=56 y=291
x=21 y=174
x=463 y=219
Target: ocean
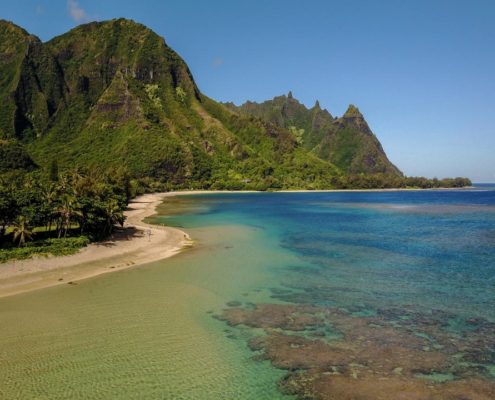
x=323 y=293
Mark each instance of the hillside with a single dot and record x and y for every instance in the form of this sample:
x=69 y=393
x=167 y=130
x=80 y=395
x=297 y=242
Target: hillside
x=347 y=142
x=115 y=96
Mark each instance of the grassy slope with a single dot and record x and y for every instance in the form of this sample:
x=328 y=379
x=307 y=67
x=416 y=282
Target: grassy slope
x=346 y=142
x=132 y=101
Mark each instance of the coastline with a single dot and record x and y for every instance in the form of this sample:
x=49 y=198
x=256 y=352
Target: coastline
x=124 y=249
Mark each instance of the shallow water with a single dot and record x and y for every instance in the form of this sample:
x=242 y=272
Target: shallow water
x=417 y=261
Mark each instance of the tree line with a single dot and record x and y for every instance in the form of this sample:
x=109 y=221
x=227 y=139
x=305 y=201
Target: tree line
x=46 y=204
x=76 y=202
x=386 y=181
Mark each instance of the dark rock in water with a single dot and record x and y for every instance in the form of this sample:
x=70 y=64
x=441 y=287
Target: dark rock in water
x=234 y=303
x=481 y=355
x=374 y=358
x=274 y=316
x=310 y=385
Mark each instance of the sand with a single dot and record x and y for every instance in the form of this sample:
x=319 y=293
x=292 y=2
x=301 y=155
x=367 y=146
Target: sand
x=126 y=248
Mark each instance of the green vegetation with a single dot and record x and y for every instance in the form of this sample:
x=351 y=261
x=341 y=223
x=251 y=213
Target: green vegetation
x=53 y=246
x=386 y=181
x=112 y=96
x=13 y=155
x=41 y=216
x=347 y=142
x=108 y=110
x=123 y=98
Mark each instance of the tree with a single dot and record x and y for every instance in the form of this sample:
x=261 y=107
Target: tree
x=7 y=208
x=67 y=209
x=54 y=171
x=22 y=231
x=114 y=215
x=49 y=194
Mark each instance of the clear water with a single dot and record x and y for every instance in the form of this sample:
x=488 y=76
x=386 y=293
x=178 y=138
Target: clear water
x=150 y=332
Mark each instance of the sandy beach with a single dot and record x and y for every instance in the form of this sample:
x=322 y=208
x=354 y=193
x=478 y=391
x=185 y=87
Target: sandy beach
x=126 y=248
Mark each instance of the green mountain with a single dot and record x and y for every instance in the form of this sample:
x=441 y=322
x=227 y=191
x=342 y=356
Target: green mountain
x=114 y=95
x=347 y=142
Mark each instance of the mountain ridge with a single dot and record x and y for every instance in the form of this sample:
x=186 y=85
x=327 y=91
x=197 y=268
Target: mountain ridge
x=114 y=95
x=346 y=141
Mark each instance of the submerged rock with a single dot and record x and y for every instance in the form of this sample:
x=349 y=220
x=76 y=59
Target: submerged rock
x=374 y=357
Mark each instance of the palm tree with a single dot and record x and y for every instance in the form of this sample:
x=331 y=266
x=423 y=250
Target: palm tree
x=22 y=232
x=69 y=207
x=50 y=197
x=114 y=215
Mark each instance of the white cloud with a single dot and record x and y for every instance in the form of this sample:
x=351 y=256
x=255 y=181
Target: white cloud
x=76 y=12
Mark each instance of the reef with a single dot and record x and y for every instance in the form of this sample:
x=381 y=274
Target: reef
x=335 y=353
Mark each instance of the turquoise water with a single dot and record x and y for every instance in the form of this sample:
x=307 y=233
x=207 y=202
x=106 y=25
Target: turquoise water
x=433 y=249
x=420 y=264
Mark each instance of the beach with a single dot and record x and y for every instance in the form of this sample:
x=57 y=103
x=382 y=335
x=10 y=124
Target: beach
x=126 y=248
x=383 y=287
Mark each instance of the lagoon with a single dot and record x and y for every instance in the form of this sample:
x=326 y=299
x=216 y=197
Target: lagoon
x=416 y=263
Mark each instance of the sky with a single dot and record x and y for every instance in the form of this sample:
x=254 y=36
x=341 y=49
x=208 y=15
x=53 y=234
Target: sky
x=421 y=72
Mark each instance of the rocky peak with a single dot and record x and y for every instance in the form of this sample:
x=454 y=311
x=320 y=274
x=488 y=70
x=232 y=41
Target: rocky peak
x=352 y=112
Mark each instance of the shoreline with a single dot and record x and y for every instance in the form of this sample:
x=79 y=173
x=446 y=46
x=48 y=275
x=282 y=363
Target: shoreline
x=126 y=248
x=204 y=191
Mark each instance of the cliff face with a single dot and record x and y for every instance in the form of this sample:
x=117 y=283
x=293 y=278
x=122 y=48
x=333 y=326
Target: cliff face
x=347 y=142
x=31 y=84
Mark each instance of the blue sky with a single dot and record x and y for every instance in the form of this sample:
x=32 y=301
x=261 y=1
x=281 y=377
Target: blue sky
x=422 y=72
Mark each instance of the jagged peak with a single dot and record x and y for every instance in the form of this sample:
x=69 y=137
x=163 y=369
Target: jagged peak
x=352 y=112
x=317 y=105
x=289 y=95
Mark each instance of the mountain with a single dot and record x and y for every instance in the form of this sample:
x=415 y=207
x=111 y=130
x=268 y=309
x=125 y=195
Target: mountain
x=115 y=96
x=347 y=142
x=31 y=84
